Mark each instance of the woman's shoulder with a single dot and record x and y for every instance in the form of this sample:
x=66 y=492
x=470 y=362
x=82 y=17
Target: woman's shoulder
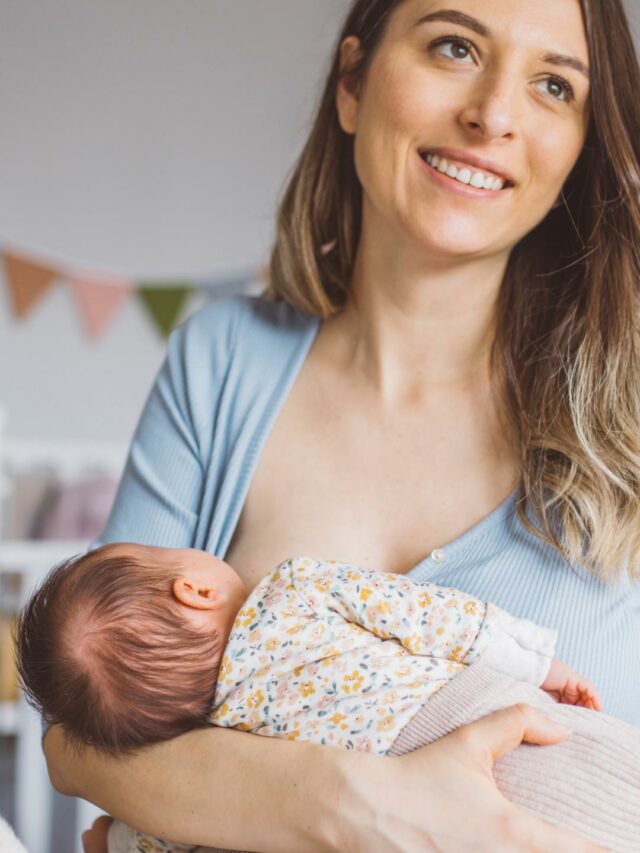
x=233 y=340
x=249 y=335
x=226 y=317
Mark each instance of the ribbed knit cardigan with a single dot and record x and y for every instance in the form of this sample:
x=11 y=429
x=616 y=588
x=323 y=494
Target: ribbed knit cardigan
x=227 y=373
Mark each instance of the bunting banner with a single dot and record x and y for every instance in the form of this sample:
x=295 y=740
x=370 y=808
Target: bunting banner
x=99 y=298
x=164 y=304
x=27 y=281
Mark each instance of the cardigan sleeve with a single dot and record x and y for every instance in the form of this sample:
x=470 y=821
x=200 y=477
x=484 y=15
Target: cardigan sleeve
x=159 y=495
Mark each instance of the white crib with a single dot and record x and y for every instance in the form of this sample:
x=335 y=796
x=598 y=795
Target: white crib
x=32 y=559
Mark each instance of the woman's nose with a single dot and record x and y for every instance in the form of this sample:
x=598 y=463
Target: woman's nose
x=493 y=109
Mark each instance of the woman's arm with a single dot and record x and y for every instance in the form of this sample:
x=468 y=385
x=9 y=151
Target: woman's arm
x=159 y=499
x=214 y=787
x=229 y=789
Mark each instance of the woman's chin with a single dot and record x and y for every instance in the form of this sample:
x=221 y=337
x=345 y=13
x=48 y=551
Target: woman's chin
x=454 y=245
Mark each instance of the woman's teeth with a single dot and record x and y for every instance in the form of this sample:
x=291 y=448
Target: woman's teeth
x=464 y=175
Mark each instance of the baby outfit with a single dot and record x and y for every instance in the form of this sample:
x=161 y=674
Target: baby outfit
x=343 y=656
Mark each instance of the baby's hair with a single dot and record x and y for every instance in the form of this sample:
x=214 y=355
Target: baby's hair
x=103 y=648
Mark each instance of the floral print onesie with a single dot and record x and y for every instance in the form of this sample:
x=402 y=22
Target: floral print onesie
x=327 y=652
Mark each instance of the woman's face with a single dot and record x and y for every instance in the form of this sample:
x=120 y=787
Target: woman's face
x=494 y=89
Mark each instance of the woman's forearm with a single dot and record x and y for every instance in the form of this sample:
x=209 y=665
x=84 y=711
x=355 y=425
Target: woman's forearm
x=213 y=787
x=221 y=788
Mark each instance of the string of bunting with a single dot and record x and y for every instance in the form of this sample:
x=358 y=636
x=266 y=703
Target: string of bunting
x=99 y=297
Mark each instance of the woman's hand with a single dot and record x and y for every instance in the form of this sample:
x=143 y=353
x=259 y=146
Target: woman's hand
x=566 y=686
x=443 y=797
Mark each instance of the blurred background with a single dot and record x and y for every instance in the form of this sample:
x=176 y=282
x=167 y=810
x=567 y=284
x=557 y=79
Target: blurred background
x=143 y=147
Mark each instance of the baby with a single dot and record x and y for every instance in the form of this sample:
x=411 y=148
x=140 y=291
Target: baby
x=152 y=642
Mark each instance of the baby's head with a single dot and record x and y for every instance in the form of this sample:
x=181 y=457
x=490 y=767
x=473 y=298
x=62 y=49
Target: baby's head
x=122 y=645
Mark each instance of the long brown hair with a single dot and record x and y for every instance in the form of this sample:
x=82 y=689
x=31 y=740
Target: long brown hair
x=567 y=348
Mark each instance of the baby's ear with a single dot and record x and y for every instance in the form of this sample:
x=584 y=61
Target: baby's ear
x=198 y=595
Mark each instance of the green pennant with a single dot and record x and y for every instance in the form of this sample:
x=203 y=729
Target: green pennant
x=164 y=303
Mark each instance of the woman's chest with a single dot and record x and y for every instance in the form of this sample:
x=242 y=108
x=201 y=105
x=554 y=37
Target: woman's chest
x=343 y=482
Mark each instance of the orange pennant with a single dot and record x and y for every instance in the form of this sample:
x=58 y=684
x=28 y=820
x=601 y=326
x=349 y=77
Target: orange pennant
x=28 y=282
x=98 y=300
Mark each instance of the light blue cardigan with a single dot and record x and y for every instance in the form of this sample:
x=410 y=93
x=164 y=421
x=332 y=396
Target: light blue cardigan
x=228 y=370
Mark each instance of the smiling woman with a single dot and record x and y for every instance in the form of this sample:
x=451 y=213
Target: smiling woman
x=450 y=331
x=540 y=97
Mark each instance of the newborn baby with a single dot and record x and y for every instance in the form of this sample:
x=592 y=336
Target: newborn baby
x=151 y=642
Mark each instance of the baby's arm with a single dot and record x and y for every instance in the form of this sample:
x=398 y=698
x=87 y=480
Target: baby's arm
x=428 y=619
x=445 y=623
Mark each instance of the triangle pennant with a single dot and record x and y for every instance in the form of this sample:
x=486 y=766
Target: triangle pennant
x=98 y=300
x=164 y=303
x=28 y=282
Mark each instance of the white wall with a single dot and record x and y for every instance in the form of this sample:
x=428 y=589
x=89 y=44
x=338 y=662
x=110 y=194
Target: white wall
x=148 y=138
x=633 y=11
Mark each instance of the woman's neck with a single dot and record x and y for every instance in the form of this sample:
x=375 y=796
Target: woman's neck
x=411 y=340
x=413 y=332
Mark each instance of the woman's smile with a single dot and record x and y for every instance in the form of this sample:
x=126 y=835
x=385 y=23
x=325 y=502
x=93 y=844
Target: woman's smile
x=464 y=182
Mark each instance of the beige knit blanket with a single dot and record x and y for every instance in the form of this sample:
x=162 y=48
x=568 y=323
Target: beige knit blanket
x=589 y=782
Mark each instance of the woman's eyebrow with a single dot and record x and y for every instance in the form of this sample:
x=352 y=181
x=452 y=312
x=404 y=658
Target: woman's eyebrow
x=453 y=16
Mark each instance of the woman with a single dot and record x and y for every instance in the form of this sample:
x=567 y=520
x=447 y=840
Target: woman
x=467 y=344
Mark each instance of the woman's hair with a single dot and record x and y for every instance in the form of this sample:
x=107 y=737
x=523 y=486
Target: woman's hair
x=103 y=649
x=567 y=351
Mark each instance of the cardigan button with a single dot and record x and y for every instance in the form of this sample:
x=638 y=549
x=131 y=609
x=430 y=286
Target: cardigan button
x=438 y=555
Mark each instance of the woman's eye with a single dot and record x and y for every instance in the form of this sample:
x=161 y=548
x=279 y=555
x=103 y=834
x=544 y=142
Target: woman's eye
x=557 y=88
x=457 y=48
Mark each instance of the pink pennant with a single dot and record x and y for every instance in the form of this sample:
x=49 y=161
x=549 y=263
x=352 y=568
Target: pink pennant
x=98 y=300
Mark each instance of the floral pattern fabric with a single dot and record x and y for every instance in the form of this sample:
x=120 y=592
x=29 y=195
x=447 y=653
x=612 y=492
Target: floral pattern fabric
x=327 y=652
